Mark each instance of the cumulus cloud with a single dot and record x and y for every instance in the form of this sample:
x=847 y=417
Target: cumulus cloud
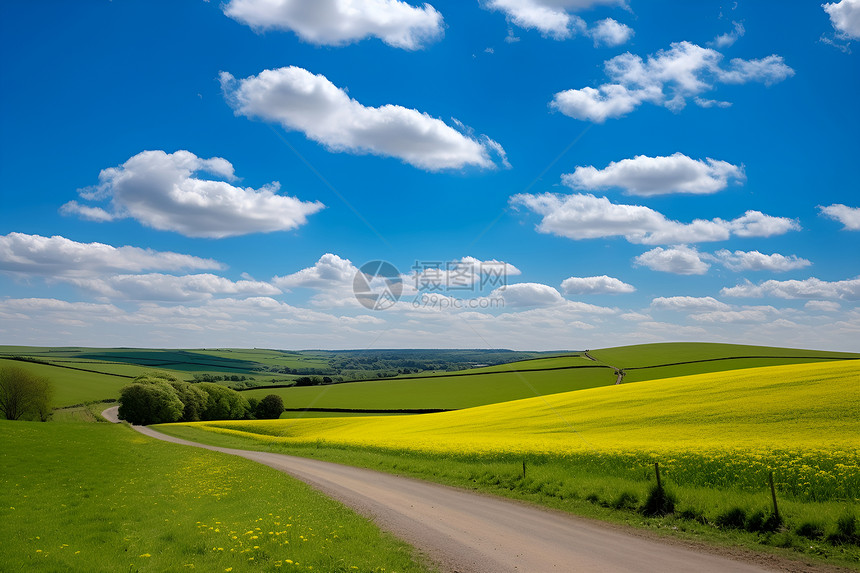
x=338 y=22
x=595 y=285
x=528 y=294
x=689 y=304
x=848 y=216
x=302 y=101
x=811 y=288
x=164 y=191
x=845 y=18
x=328 y=272
x=679 y=260
x=757 y=224
x=756 y=261
x=610 y=33
x=552 y=18
x=58 y=256
x=648 y=176
x=162 y=287
x=667 y=78
x=584 y=216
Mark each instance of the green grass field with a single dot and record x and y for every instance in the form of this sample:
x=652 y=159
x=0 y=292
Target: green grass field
x=98 y=497
x=441 y=392
x=643 y=355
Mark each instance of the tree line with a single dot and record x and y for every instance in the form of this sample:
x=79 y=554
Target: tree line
x=159 y=397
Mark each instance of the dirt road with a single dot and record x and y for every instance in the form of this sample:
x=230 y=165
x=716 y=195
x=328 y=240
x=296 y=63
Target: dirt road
x=466 y=532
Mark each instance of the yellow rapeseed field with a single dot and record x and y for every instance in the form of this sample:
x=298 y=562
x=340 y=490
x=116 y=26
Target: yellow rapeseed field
x=717 y=429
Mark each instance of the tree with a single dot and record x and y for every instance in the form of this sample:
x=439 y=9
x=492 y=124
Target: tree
x=23 y=393
x=271 y=407
x=193 y=400
x=153 y=402
x=222 y=403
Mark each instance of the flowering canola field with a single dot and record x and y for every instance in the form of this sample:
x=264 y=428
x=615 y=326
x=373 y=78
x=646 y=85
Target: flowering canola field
x=726 y=429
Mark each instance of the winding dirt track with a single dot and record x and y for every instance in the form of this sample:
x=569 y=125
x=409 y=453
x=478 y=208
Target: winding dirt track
x=465 y=532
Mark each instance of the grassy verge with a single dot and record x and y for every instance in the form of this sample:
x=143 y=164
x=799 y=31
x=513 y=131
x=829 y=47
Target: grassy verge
x=99 y=497
x=730 y=517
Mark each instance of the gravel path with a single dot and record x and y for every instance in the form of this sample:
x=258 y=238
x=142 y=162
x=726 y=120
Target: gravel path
x=467 y=532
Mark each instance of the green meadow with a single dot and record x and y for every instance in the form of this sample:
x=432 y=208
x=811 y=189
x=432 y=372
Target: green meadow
x=100 y=497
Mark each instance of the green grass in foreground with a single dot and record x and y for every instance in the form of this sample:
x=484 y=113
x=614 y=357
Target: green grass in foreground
x=99 y=497
x=600 y=488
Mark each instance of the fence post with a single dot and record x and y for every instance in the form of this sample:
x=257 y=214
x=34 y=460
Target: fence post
x=524 y=469
x=657 y=471
x=773 y=495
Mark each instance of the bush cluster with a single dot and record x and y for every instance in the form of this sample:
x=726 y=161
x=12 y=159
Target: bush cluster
x=159 y=397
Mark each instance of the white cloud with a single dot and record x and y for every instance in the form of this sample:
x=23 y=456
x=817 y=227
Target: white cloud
x=302 y=101
x=708 y=103
x=822 y=306
x=58 y=256
x=756 y=261
x=848 y=216
x=330 y=271
x=811 y=288
x=689 y=304
x=338 y=22
x=732 y=316
x=648 y=176
x=845 y=18
x=609 y=32
x=584 y=216
x=162 y=287
x=528 y=294
x=161 y=190
x=679 y=260
x=729 y=38
x=667 y=78
x=595 y=285
x=552 y=18
x=757 y=224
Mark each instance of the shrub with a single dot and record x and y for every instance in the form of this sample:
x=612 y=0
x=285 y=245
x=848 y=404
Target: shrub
x=24 y=394
x=151 y=402
x=271 y=407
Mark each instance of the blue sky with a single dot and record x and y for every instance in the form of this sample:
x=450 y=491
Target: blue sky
x=201 y=174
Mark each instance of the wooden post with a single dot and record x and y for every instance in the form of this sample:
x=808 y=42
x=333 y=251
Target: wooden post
x=657 y=471
x=773 y=496
x=524 y=469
